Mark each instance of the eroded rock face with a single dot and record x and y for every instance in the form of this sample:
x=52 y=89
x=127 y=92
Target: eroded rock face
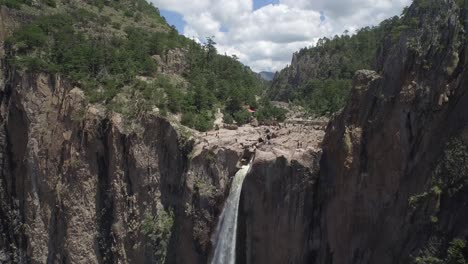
x=385 y=148
x=173 y=62
x=278 y=200
x=303 y=67
x=81 y=185
x=78 y=184
x=278 y=209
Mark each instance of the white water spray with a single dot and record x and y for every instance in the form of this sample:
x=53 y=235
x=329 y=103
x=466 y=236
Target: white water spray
x=225 y=248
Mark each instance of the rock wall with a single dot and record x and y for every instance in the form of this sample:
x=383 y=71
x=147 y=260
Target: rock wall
x=79 y=184
x=303 y=68
x=278 y=210
x=384 y=194
x=173 y=62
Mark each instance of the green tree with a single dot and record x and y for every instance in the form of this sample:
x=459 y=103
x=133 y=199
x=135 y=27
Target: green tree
x=210 y=47
x=242 y=117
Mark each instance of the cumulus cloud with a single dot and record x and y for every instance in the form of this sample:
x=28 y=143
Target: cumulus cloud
x=265 y=39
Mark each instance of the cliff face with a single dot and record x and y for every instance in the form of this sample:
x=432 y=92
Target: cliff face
x=393 y=174
x=81 y=184
x=174 y=62
x=331 y=59
x=303 y=67
x=390 y=177
x=279 y=210
x=78 y=186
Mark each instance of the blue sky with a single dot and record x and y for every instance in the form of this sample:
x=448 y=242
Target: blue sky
x=175 y=19
x=264 y=34
x=261 y=3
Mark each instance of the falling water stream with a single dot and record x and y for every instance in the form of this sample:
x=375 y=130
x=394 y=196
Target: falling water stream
x=225 y=248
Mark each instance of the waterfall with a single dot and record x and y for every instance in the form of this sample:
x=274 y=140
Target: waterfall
x=225 y=248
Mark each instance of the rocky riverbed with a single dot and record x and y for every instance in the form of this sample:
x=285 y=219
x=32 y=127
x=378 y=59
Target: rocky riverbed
x=290 y=140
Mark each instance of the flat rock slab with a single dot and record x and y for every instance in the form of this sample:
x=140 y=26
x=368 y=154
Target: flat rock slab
x=289 y=140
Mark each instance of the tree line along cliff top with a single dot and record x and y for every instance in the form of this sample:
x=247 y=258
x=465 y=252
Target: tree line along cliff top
x=319 y=77
x=118 y=52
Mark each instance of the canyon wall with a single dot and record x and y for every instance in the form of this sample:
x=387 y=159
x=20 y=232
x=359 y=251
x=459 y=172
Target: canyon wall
x=394 y=163
x=80 y=185
x=279 y=209
x=393 y=178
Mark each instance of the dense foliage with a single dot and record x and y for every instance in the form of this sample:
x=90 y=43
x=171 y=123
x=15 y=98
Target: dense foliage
x=452 y=170
x=105 y=56
x=455 y=254
x=321 y=76
x=158 y=230
x=16 y=4
x=323 y=97
x=217 y=80
x=53 y=44
x=268 y=112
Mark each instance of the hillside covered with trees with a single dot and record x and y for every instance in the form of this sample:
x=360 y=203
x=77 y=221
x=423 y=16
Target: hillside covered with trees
x=115 y=52
x=319 y=77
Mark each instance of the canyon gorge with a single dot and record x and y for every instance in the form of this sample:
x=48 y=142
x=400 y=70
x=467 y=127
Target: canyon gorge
x=385 y=180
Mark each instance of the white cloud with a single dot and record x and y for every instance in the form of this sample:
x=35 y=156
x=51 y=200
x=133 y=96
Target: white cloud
x=265 y=39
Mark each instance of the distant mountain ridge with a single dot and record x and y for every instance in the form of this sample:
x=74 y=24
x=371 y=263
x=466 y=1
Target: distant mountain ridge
x=267 y=76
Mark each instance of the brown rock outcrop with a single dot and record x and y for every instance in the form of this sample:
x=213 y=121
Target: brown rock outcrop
x=81 y=184
x=278 y=209
x=384 y=151
x=78 y=184
x=173 y=62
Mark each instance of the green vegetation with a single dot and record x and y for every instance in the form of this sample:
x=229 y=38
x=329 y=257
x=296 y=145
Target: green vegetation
x=322 y=86
x=52 y=44
x=450 y=175
x=323 y=97
x=452 y=170
x=107 y=58
x=202 y=121
x=158 y=230
x=228 y=119
x=460 y=3
x=205 y=189
x=215 y=81
x=415 y=200
x=268 y=112
x=449 y=179
x=242 y=117
x=456 y=253
x=211 y=157
x=325 y=91
x=15 y=4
